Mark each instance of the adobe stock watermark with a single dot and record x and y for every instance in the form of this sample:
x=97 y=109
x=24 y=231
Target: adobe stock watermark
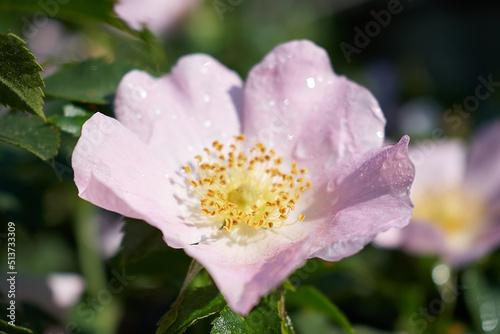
x=449 y=288
x=48 y=9
x=363 y=37
x=471 y=103
x=455 y=116
x=88 y=308
x=223 y=6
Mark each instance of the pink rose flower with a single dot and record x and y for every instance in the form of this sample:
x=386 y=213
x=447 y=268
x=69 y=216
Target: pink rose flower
x=308 y=177
x=457 y=200
x=158 y=15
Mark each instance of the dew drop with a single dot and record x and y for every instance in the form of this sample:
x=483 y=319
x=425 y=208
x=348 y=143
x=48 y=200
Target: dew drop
x=207 y=123
x=380 y=134
x=286 y=102
x=311 y=83
x=290 y=137
x=167 y=175
x=204 y=68
x=156 y=111
x=138 y=115
x=302 y=151
x=207 y=98
x=142 y=92
x=271 y=103
x=330 y=186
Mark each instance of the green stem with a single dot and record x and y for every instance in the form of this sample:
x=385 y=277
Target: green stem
x=9 y=329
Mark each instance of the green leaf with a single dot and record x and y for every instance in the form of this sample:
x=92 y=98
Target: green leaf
x=262 y=319
x=194 y=305
x=72 y=120
x=92 y=81
x=310 y=297
x=139 y=240
x=30 y=133
x=20 y=79
x=73 y=10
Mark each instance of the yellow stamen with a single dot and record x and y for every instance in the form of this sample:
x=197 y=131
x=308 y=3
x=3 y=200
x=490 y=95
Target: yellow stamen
x=236 y=188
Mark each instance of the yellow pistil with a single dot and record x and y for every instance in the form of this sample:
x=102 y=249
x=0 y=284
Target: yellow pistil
x=236 y=188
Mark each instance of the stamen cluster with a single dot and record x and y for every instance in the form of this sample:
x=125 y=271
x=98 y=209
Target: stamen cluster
x=239 y=189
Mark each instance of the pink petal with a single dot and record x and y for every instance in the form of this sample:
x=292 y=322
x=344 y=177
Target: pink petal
x=439 y=165
x=484 y=244
x=117 y=171
x=364 y=197
x=181 y=113
x=246 y=273
x=297 y=104
x=157 y=15
x=419 y=237
x=483 y=171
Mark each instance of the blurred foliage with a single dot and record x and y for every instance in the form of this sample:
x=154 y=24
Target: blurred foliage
x=426 y=60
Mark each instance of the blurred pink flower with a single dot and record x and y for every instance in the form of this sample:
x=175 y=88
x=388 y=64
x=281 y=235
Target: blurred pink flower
x=158 y=15
x=457 y=200
x=250 y=224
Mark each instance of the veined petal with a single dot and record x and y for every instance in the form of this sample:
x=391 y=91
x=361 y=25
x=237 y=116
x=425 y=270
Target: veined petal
x=365 y=196
x=295 y=103
x=115 y=170
x=180 y=113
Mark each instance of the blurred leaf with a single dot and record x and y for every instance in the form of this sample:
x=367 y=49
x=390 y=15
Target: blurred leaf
x=72 y=121
x=197 y=304
x=20 y=79
x=92 y=81
x=30 y=133
x=9 y=329
x=73 y=10
x=482 y=301
x=139 y=240
x=262 y=319
x=310 y=297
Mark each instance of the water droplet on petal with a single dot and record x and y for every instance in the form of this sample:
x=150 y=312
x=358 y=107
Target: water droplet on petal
x=167 y=175
x=311 y=83
x=156 y=111
x=142 y=92
x=290 y=137
x=207 y=98
x=380 y=134
x=330 y=185
x=207 y=123
x=271 y=103
x=286 y=102
x=204 y=68
x=302 y=151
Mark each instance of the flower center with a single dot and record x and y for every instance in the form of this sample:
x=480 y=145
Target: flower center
x=458 y=213
x=236 y=188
